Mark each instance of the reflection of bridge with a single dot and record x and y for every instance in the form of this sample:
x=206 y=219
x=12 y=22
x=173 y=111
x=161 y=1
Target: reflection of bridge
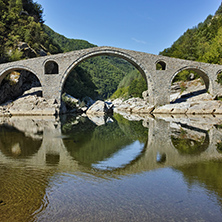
x=159 y=144
x=53 y=70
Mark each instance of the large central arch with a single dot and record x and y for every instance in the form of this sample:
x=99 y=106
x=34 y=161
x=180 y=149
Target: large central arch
x=109 y=52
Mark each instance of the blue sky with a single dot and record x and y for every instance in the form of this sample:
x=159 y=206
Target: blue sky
x=142 y=25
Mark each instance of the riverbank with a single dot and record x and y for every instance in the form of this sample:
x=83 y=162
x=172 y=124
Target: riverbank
x=193 y=100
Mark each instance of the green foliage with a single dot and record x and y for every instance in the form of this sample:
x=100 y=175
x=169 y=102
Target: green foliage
x=120 y=93
x=219 y=78
x=79 y=84
x=136 y=87
x=66 y=44
x=106 y=73
x=184 y=75
x=132 y=85
x=21 y=21
x=15 y=55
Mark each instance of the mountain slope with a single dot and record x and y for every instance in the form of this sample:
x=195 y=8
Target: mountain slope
x=201 y=43
x=21 y=21
x=65 y=43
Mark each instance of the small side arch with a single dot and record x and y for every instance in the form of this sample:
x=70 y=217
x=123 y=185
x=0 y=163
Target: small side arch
x=161 y=65
x=6 y=71
x=51 y=67
x=202 y=73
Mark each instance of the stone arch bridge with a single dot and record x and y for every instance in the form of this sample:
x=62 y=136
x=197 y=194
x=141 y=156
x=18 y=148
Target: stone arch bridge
x=53 y=70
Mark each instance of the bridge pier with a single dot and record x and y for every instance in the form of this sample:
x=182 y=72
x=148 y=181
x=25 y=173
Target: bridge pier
x=51 y=89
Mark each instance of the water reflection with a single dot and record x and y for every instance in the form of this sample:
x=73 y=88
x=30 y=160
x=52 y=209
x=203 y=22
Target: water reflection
x=45 y=163
x=190 y=140
x=122 y=157
x=102 y=146
x=15 y=144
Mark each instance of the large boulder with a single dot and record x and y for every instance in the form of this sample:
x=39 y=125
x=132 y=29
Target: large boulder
x=99 y=108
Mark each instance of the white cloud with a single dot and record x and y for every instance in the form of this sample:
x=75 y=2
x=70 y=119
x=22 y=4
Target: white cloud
x=139 y=41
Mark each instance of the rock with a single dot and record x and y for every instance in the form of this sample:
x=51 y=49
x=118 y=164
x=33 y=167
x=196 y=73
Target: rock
x=204 y=107
x=191 y=76
x=84 y=109
x=99 y=108
x=71 y=98
x=145 y=96
x=117 y=102
x=98 y=120
x=134 y=105
x=28 y=51
x=30 y=104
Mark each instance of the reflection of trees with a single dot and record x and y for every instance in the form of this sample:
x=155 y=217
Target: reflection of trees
x=132 y=129
x=90 y=144
x=190 y=140
x=14 y=143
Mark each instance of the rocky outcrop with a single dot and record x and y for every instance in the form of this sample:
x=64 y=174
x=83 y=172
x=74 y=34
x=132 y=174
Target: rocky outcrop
x=30 y=103
x=198 y=107
x=29 y=52
x=133 y=105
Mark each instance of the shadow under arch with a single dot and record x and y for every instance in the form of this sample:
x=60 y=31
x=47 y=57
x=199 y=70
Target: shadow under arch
x=161 y=65
x=20 y=79
x=202 y=73
x=115 y=53
x=14 y=144
x=6 y=71
x=189 y=140
x=51 y=67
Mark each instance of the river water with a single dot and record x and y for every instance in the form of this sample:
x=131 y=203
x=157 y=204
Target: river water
x=111 y=169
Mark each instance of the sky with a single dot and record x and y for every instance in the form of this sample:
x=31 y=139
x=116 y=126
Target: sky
x=141 y=25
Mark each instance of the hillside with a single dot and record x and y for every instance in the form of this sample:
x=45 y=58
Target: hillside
x=66 y=44
x=21 y=22
x=201 y=43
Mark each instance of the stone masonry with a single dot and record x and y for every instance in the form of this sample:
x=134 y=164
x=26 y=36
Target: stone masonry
x=53 y=70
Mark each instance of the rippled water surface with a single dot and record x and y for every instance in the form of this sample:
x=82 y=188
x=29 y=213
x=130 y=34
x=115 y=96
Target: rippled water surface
x=72 y=169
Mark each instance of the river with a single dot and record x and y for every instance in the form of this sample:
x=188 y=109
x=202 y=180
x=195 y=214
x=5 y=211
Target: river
x=111 y=169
